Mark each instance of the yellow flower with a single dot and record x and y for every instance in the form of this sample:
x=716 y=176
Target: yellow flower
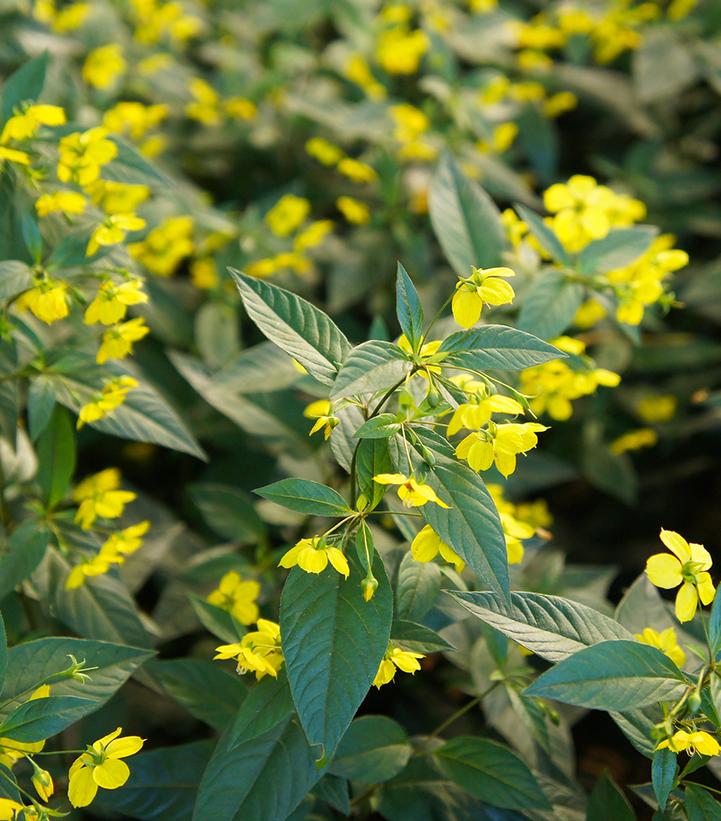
x=110 y=397
x=357 y=171
x=313 y=235
x=287 y=214
x=634 y=440
x=698 y=741
x=99 y=495
x=165 y=246
x=113 y=551
x=101 y=766
x=589 y=314
x=117 y=197
x=43 y=783
x=70 y=18
x=411 y=492
x=410 y=122
x=205 y=105
x=396 y=659
x=134 y=119
x=687 y=567
x=49 y=300
x=428 y=349
x=237 y=597
x=481 y=449
x=427 y=544
x=113 y=230
x=514 y=532
x=13 y=155
x=320 y=410
x=64 y=202
x=399 y=51
x=665 y=641
x=474 y=415
x=501 y=140
x=325 y=152
x=483 y=287
x=104 y=65
x=204 y=273
x=258 y=651
x=82 y=154
x=655 y=409
x=240 y=108
x=355 y=211
x=313 y=555
x=357 y=70
x=24 y=126
x=111 y=302
x=118 y=340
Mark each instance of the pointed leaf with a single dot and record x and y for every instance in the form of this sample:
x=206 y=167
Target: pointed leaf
x=408 y=307
x=496 y=346
x=305 y=496
x=370 y=367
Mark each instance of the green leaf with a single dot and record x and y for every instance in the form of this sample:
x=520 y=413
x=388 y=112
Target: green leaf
x=56 y=457
x=293 y=324
x=663 y=775
x=551 y=627
x=34 y=663
x=372 y=458
x=44 y=717
x=305 y=496
x=162 y=786
x=417 y=638
x=700 y=805
x=25 y=85
x=333 y=643
x=496 y=346
x=190 y=682
x=616 y=250
x=24 y=552
x=471 y=527
x=370 y=367
x=465 y=220
x=419 y=584
x=714 y=626
x=267 y=704
x=41 y=401
x=549 y=305
x=379 y=427
x=408 y=308
x=607 y=801
x=3 y=654
x=218 y=621
x=546 y=237
x=373 y=750
x=15 y=277
x=492 y=773
x=264 y=779
x=227 y=511
x=613 y=675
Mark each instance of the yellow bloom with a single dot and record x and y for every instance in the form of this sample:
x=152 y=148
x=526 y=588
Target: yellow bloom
x=357 y=171
x=258 y=651
x=325 y=152
x=427 y=544
x=665 y=641
x=357 y=70
x=287 y=214
x=13 y=155
x=484 y=287
x=474 y=415
x=82 y=154
x=104 y=65
x=113 y=551
x=428 y=349
x=514 y=532
x=111 y=301
x=482 y=448
x=70 y=18
x=320 y=410
x=49 y=300
x=399 y=51
x=698 y=741
x=113 y=230
x=117 y=197
x=502 y=139
x=99 y=496
x=313 y=555
x=24 y=126
x=118 y=340
x=313 y=235
x=165 y=246
x=657 y=408
x=64 y=202
x=634 y=440
x=237 y=596
x=687 y=567
x=205 y=104
x=355 y=211
x=396 y=659
x=204 y=273
x=134 y=119
x=43 y=783
x=101 y=766
x=110 y=397
x=411 y=492
x=410 y=122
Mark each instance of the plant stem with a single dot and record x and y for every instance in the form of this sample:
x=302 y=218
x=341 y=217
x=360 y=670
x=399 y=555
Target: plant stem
x=474 y=702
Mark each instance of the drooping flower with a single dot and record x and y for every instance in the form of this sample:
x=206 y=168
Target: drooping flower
x=484 y=287
x=112 y=301
x=111 y=396
x=112 y=230
x=48 y=300
x=101 y=765
x=427 y=544
x=313 y=555
x=687 y=567
x=474 y=415
x=410 y=491
x=502 y=445
x=698 y=741
x=114 y=550
x=320 y=410
x=118 y=340
x=393 y=660
x=665 y=641
x=237 y=596
x=259 y=651
x=69 y=203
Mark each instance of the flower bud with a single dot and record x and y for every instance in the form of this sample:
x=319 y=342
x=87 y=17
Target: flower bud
x=369 y=585
x=43 y=783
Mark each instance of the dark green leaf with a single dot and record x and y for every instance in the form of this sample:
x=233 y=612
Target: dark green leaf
x=305 y=496
x=701 y=805
x=373 y=750
x=663 y=775
x=549 y=305
x=551 y=627
x=408 y=308
x=607 y=801
x=293 y=324
x=417 y=638
x=56 y=457
x=612 y=675
x=372 y=458
x=496 y=346
x=44 y=717
x=23 y=553
x=333 y=642
x=370 y=367
x=228 y=511
x=465 y=220
x=714 y=627
x=25 y=85
x=619 y=248
x=267 y=704
x=41 y=401
x=379 y=427
x=3 y=654
x=218 y=621
x=492 y=773
x=419 y=584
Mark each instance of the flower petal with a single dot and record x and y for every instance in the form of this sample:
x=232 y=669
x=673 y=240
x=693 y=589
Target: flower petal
x=82 y=787
x=676 y=544
x=111 y=774
x=123 y=747
x=664 y=571
x=686 y=602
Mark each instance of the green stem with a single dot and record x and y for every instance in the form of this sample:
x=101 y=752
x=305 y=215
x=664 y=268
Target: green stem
x=437 y=316
x=474 y=702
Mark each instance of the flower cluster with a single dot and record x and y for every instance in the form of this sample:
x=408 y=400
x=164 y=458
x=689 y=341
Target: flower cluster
x=259 y=651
